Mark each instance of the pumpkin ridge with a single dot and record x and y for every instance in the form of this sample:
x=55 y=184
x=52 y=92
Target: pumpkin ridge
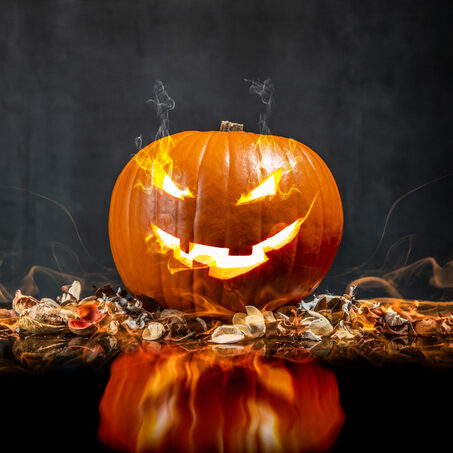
x=191 y=145
x=228 y=212
x=308 y=157
x=333 y=191
x=296 y=239
x=205 y=148
x=313 y=174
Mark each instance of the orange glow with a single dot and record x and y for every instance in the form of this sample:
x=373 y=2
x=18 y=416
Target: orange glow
x=161 y=180
x=201 y=401
x=157 y=164
x=265 y=189
x=221 y=264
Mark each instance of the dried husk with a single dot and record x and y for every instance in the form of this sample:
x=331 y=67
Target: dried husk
x=252 y=324
x=81 y=327
x=428 y=327
x=22 y=302
x=43 y=319
x=227 y=334
x=90 y=312
x=153 y=331
x=75 y=290
x=197 y=325
x=34 y=326
x=112 y=328
x=318 y=324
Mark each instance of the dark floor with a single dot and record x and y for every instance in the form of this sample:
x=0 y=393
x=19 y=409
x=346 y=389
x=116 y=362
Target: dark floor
x=391 y=409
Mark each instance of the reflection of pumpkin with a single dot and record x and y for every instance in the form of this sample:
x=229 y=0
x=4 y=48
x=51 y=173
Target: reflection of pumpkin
x=174 y=400
x=229 y=218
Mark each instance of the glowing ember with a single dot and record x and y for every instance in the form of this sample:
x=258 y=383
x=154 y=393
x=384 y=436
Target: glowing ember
x=174 y=400
x=221 y=264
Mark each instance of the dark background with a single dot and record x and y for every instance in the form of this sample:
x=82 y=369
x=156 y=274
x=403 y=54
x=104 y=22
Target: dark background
x=366 y=84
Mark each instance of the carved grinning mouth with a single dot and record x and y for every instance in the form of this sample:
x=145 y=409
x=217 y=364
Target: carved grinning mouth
x=221 y=264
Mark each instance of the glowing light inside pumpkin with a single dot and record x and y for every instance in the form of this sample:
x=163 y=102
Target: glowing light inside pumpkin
x=221 y=264
x=265 y=189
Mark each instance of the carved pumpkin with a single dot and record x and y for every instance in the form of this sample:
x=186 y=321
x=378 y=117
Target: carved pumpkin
x=213 y=221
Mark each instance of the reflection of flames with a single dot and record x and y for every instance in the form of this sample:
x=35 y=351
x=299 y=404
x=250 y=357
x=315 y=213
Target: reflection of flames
x=174 y=400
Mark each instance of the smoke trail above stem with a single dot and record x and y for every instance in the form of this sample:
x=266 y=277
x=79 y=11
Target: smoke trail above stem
x=163 y=104
x=265 y=91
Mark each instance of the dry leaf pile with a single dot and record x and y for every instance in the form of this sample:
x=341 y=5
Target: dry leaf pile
x=98 y=326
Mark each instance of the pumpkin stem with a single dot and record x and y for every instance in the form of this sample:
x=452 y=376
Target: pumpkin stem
x=227 y=126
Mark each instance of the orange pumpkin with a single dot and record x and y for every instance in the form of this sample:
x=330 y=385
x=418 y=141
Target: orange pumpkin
x=213 y=221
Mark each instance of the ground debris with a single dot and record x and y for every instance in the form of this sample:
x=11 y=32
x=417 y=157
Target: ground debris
x=100 y=325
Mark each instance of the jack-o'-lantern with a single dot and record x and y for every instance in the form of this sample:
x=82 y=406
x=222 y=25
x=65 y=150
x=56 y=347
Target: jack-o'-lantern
x=213 y=221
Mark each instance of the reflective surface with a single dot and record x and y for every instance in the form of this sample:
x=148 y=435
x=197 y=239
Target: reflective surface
x=219 y=399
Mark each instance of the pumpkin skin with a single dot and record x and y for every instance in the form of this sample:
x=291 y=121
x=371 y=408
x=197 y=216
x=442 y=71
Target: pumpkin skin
x=217 y=168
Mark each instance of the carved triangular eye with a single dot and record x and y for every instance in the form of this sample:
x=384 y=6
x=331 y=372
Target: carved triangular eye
x=267 y=188
x=161 y=180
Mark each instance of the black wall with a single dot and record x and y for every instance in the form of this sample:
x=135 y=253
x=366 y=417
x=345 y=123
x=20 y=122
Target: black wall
x=367 y=84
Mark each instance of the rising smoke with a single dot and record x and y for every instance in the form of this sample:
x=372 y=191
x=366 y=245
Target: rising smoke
x=163 y=104
x=265 y=91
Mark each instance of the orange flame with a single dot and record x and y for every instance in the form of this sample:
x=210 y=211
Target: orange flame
x=157 y=164
x=199 y=401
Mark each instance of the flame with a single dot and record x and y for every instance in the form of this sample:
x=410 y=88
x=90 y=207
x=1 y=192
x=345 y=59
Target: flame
x=221 y=264
x=199 y=401
x=157 y=164
x=267 y=188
